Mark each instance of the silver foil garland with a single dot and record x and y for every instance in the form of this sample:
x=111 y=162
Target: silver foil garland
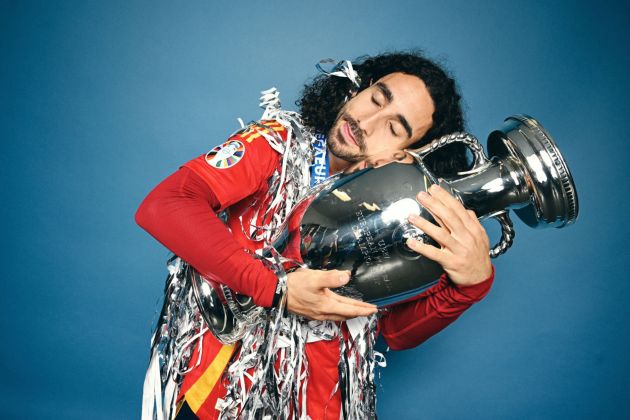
x=179 y=329
x=268 y=337
x=282 y=393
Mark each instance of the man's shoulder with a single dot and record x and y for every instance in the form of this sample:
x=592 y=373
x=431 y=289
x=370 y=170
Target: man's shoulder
x=260 y=130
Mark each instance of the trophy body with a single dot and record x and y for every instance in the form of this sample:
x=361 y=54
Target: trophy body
x=359 y=224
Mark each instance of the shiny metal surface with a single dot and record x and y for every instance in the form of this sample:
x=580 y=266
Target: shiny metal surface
x=470 y=141
x=553 y=196
x=357 y=221
x=359 y=224
x=218 y=316
x=481 y=166
x=225 y=313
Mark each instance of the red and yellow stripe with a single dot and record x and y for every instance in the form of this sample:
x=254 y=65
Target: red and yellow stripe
x=255 y=131
x=202 y=386
x=201 y=389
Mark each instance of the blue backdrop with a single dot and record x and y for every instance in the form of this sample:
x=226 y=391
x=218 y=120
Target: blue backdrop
x=102 y=100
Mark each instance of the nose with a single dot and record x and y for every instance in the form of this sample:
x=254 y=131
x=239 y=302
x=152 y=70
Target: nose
x=367 y=123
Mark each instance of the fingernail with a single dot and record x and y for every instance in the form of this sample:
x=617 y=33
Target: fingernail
x=412 y=242
x=422 y=195
x=413 y=218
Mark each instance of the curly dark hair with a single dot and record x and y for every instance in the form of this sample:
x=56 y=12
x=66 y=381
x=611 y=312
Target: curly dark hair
x=324 y=96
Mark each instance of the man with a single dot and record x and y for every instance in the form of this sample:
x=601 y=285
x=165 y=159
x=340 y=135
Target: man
x=402 y=100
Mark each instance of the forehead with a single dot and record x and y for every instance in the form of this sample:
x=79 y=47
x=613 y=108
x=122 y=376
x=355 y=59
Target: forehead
x=411 y=99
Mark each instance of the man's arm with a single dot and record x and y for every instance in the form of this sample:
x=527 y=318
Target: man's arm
x=181 y=214
x=463 y=253
x=411 y=323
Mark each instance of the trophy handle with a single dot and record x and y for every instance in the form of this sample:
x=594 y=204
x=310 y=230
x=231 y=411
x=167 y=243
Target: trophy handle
x=507 y=234
x=480 y=160
x=479 y=157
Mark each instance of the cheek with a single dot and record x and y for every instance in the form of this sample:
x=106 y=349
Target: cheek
x=384 y=142
x=382 y=150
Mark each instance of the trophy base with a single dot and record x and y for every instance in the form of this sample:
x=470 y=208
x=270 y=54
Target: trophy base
x=553 y=195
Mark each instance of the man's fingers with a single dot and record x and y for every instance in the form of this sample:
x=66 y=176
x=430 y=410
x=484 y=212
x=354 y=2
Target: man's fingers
x=428 y=251
x=336 y=308
x=350 y=301
x=476 y=224
x=440 y=235
x=333 y=318
x=310 y=296
x=440 y=222
x=330 y=279
x=449 y=201
x=449 y=217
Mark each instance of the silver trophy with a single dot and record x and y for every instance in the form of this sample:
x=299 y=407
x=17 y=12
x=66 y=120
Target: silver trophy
x=358 y=221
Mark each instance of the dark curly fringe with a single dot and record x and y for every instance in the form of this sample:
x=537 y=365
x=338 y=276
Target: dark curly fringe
x=323 y=98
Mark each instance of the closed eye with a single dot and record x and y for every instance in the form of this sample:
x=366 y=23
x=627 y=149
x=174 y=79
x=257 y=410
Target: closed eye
x=391 y=128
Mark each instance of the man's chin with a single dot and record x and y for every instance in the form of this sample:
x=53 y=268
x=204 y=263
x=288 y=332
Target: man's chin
x=338 y=146
x=342 y=153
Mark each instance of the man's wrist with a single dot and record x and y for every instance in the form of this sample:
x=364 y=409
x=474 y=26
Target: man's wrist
x=476 y=291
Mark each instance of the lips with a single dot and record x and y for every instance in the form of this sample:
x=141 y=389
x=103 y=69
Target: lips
x=347 y=134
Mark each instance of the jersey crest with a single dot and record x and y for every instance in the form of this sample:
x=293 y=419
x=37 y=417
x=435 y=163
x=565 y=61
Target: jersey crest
x=226 y=155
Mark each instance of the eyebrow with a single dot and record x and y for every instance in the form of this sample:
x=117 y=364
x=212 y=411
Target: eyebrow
x=389 y=97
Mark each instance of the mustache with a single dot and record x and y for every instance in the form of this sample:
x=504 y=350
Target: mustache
x=354 y=128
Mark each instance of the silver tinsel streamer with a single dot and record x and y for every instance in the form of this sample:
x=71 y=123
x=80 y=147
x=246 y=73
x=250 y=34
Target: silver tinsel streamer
x=271 y=337
x=292 y=182
x=281 y=394
x=341 y=68
x=179 y=328
x=357 y=364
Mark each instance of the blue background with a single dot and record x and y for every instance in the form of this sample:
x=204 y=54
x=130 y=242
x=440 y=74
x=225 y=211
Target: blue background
x=102 y=100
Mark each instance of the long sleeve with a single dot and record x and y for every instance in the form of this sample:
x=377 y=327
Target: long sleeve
x=181 y=214
x=410 y=323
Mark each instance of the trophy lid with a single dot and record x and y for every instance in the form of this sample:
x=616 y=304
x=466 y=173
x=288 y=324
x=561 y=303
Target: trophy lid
x=554 y=200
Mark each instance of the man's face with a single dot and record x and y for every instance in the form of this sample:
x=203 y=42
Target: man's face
x=380 y=159
x=391 y=114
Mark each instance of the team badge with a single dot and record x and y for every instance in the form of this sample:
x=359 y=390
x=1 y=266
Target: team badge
x=226 y=155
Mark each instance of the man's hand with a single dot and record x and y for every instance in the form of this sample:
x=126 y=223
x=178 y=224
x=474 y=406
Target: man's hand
x=309 y=295
x=464 y=242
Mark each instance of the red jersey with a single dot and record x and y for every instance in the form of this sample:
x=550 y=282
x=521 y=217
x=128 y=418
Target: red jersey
x=236 y=175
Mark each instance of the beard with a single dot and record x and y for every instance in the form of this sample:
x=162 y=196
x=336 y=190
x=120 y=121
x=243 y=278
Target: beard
x=337 y=144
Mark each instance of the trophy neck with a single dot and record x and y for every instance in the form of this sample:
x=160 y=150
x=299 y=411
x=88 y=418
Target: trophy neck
x=497 y=186
x=527 y=173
